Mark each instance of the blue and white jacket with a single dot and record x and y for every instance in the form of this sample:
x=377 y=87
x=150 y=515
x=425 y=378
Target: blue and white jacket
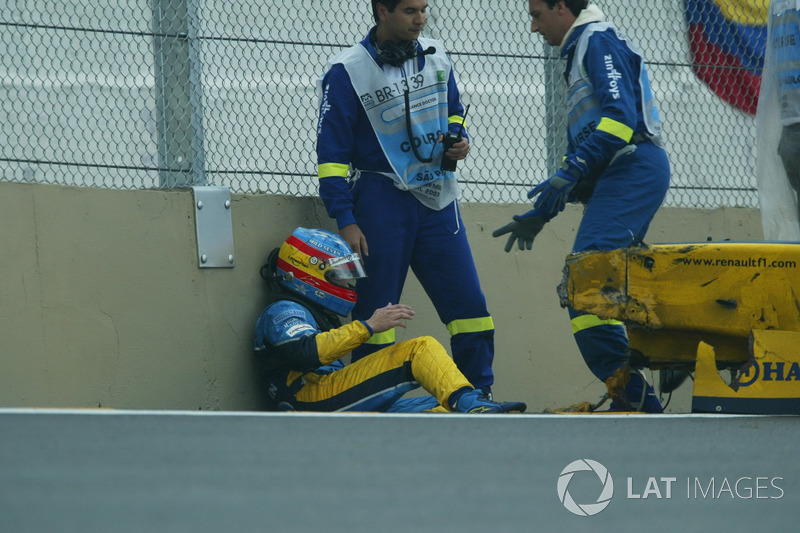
x=610 y=103
x=346 y=139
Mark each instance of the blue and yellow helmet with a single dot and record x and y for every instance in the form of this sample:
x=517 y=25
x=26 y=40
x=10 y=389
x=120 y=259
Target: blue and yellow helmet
x=320 y=266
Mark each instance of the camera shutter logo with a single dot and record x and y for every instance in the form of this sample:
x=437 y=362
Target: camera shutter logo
x=585 y=509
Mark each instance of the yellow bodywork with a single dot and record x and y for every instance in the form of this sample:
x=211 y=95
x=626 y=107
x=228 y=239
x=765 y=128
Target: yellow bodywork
x=673 y=296
x=767 y=383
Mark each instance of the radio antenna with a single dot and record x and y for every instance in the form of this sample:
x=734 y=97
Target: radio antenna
x=463 y=120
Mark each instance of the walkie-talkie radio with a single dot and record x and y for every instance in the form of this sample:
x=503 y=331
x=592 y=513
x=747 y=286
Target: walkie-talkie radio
x=450 y=139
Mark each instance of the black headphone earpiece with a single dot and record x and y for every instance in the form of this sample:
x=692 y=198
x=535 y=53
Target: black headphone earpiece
x=269 y=269
x=395 y=54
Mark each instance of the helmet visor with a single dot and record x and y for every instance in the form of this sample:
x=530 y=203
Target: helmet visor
x=343 y=269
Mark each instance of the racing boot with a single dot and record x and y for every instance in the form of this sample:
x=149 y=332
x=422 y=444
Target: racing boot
x=474 y=401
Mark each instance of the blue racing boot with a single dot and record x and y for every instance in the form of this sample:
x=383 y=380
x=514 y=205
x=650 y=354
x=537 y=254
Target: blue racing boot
x=476 y=402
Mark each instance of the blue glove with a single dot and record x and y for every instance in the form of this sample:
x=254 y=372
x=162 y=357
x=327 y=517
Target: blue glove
x=523 y=229
x=554 y=192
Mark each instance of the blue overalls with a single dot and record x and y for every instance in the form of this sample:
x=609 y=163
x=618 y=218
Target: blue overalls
x=614 y=127
x=401 y=231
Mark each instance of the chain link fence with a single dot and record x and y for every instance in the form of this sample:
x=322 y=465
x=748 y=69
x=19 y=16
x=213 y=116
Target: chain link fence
x=172 y=93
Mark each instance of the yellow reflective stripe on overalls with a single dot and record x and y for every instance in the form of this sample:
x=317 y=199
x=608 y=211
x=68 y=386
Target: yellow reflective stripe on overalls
x=580 y=323
x=470 y=325
x=617 y=129
x=329 y=170
x=456 y=119
x=386 y=337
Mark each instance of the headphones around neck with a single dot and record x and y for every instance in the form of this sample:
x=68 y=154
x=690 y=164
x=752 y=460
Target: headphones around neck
x=395 y=54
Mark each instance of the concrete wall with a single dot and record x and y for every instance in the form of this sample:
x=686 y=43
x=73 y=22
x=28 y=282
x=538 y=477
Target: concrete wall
x=90 y=471
x=102 y=302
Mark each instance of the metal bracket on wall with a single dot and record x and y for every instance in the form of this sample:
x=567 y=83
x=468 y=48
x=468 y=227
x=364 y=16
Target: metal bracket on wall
x=212 y=216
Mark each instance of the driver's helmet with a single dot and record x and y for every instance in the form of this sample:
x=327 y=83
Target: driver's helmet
x=320 y=266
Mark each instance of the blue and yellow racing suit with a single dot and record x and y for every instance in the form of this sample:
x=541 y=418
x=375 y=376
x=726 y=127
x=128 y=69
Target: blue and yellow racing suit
x=304 y=368
x=613 y=125
x=406 y=225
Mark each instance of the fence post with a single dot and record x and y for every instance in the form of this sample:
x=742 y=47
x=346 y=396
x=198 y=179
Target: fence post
x=179 y=116
x=555 y=98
